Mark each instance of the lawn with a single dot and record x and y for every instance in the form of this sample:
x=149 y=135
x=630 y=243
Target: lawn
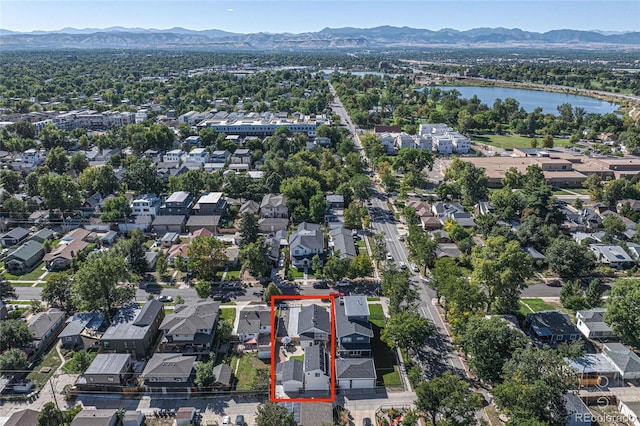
x=23 y=284
x=45 y=368
x=514 y=141
x=228 y=314
x=392 y=379
x=248 y=366
x=31 y=276
x=70 y=365
x=373 y=299
x=362 y=247
x=376 y=315
x=298 y=357
x=386 y=365
x=232 y=274
x=531 y=304
x=296 y=273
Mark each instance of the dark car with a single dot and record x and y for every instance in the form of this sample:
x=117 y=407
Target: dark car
x=554 y=283
x=239 y=420
x=366 y=421
x=320 y=284
x=221 y=298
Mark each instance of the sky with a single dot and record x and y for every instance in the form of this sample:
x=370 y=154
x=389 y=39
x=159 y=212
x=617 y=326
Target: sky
x=297 y=16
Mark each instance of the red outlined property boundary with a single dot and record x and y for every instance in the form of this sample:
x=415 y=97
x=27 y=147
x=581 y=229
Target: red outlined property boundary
x=332 y=386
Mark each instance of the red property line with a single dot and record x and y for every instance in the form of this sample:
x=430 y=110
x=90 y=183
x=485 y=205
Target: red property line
x=272 y=393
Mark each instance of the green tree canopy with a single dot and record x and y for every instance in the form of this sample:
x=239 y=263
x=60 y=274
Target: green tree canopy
x=447 y=400
x=206 y=256
x=623 y=313
x=272 y=414
x=14 y=333
x=569 y=259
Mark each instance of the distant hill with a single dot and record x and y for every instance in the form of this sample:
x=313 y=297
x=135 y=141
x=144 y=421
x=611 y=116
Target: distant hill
x=335 y=38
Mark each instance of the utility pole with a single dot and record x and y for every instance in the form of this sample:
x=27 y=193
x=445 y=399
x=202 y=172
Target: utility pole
x=53 y=391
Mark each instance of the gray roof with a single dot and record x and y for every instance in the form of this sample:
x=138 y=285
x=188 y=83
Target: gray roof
x=345 y=326
x=308 y=235
x=592 y=363
x=356 y=306
x=611 y=253
x=43 y=234
x=81 y=320
x=250 y=207
x=553 y=323
x=335 y=198
x=107 y=363
x=40 y=323
x=188 y=319
x=291 y=370
x=132 y=322
x=26 y=251
x=622 y=357
x=169 y=365
x=594 y=319
x=343 y=242
x=16 y=233
x=273 y=200
x=94 y=418
x=201 y=221
x=574 y=405
x=314 y=358
x=313 y=316
x=178 y=197
x=355 y=368
x=173 y=219
x=222 y=373
x=250 y=320
x=26 y=417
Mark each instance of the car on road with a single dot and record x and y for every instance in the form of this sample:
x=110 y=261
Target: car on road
x=239 y=420
x=226 y=421
x=389 y=257
x=343 y=283
x=221 y=298
x=415 y=269
x=165 y=299
x=554 y=283
x=320 y=284
x=400 y=237
x=402 y=265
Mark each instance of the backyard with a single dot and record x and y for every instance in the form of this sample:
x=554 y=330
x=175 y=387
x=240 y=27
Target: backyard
x=228 y=314
x=252 y=372
x=45 y=368
x=513 y=141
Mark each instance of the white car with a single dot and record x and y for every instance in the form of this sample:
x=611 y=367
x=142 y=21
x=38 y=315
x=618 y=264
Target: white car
x=415 y=269
x=226 y=421
x=389 y=257
x=402 y=265
x=343 y=283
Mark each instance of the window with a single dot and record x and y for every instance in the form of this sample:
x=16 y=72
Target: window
x=110 y=378
x=346 y=340
x=317 y=374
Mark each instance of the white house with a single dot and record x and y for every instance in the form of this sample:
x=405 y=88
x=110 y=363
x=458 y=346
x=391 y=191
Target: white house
x=388 y=142
x=355 y=373
x=146 y=205
x=612 y=256
x=591 y=324
x=461 y=144
x=173 y=156
x=306 y=242
x=274 y=206
x=404 y=140
x=443 y=144
x=631 y=410
x=198 y=156
x=316 y=369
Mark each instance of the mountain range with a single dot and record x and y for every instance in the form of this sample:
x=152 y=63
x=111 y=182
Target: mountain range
x=327 y=38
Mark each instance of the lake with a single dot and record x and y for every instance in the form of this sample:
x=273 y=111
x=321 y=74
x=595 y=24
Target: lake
x=531 y=99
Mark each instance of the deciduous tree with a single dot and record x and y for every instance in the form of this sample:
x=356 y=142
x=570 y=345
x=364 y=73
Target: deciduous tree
x=569 y=259
x=448 y=400
x=206 y=256
x=272 y=414
x=406 y=330
x=623 y=310
x=14 y=334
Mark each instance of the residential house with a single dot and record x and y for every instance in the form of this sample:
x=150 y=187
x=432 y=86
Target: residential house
x=223 y=374
x=171 y=223
x=631 y=410
x=86 y=417
x=317 y=370
x=197 y=156
x=249 y=206
x=28 y=161
x=193 y=141
x=91 y=205
x=169 y=239
x=210 y=204
x=108 y=239
x=174 y=156
x=290 y=374
x=447 y=250
x=14 y=237
x=24 y=258
x=628 y=203
x=209 y=223
x=592 y=326
x=306 y=242
x=191 y=328
x=69 y=246
x=623 y=359
x=254 y=329
x=314 y=325
x=178 y=203
x=576 y=411
x=595 y=370
x=612 y=256
x=153 y=154
x=404 y=140
x=43 y=235
x=355 y=373
x=535 y=254
x=26 y=417
x=146 y=205
x=169 y=369
x=274 y=206
x=83 y=330
x=201 y=232
x=45 y=326
x=353 y=330
x=240 y=160
x=552 y=327
x=109 y=369
x=220 y=156
x=134 y=418
x=335 y=201
x=178 y=250
x=341 y=240
x=134 y=329
x=453 y=211
x=151 y=258
x=484 y=207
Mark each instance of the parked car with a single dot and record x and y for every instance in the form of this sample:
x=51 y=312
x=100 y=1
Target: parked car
x=343 y=283
x=402 y=265
x=320 y=284
x=239 y=420
x=389 y=257
x=165 y=299
x=221 y=298
x=226 y=421
x=366 y=421
x=554 y=283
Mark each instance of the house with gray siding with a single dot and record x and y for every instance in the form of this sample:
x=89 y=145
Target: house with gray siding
x=191 y=327
x=24 y=258
x=45 y=326
x=83 y=330
x=14 y=237
x=109 y=369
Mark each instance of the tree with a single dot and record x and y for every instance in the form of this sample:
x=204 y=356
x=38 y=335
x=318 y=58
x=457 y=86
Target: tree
x=422 y=247
x=57 y=160
x=406 y=330
x=397 y=287
x=255 y=258
x=353 y=215
x=571 y=296
x=336 y=268
x=448 y=398
x=115 y=209
x=569 y=259
x=50 y=415
x=272 y=290
x=179 y=263
x=501 y=268
x=547 y=141
x=10 y=181
x=593 y=295
x=59 y=192
x=206 y=255
x=203 y=288
x=14 y=334
x=224 y=329
x=485 y=223
x=103 y=282
x=272 y=414
x=249 y=229
x=535 y=381
x=141 y=177
x=12 y=360
x=593 y=185
x=81 y=361
x=613 y=226
x=318 y=207
x=361 y=186
x=470 y=181
x=57 y=289
x=7 y=291
x=161 y=266
x=100 y=179
x=378 y=248
x=488 y=344
x=360 y=266
x=78 y=161
x=512 y=178
x=623 y=313
x=204 y=373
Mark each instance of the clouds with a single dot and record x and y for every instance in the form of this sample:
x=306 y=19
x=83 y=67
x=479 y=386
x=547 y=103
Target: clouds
x=229 y=10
